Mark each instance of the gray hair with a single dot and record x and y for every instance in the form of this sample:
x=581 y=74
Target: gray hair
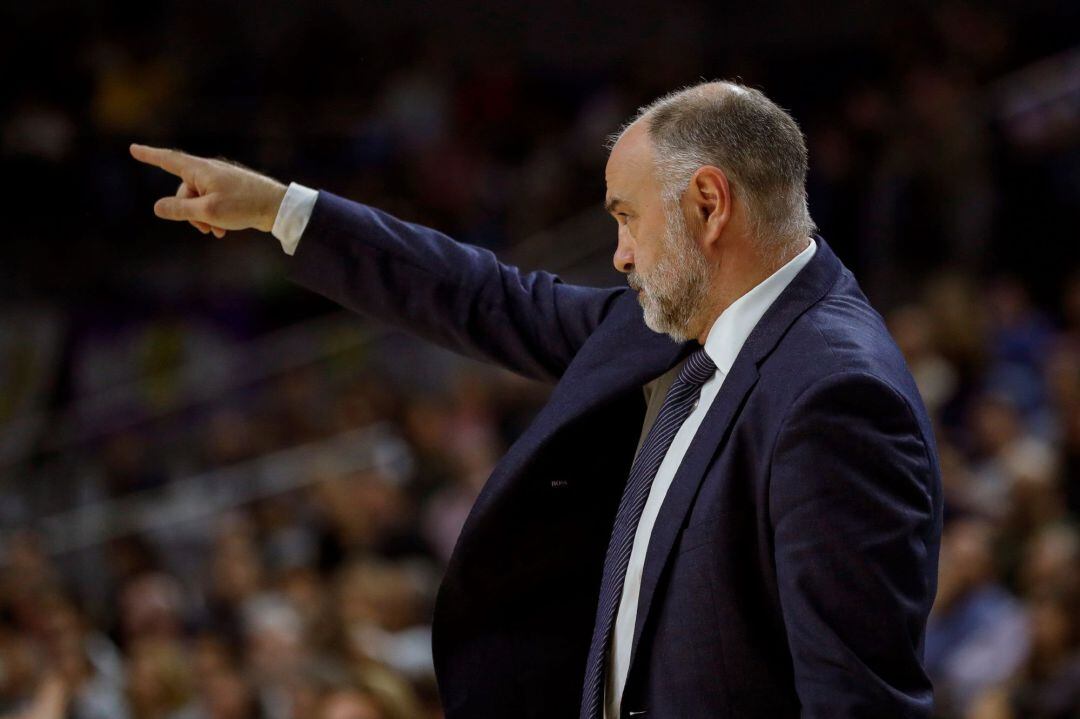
x=757 y=144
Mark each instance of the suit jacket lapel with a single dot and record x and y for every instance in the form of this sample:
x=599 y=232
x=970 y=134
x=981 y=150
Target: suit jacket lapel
x=809 y=286
x=687 y=480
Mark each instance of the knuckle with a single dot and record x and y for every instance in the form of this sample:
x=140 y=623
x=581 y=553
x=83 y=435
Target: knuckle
x=212 y=205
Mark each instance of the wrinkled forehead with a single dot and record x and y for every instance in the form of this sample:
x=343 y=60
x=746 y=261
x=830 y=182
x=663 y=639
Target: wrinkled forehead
x=631 y=157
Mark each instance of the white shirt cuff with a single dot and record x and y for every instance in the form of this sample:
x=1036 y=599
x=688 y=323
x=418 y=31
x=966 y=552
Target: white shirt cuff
x=293 y=216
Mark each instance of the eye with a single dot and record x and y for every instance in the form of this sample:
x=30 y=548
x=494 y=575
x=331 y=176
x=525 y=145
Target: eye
x=622 y=217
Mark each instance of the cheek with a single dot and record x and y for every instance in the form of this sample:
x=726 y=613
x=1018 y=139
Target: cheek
x=648 y=242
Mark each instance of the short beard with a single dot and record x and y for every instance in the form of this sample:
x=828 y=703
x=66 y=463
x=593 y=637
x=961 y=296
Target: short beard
x=675 y=290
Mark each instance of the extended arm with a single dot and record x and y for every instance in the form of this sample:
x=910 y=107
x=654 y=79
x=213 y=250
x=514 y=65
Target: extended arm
x=855 y=507
x=456 y=295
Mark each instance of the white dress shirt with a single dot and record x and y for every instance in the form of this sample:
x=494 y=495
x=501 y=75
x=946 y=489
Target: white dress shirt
x=723 y=343
x=725 y=339
x=293 y=215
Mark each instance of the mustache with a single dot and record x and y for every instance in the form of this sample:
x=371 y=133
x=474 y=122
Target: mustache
x=632 y=281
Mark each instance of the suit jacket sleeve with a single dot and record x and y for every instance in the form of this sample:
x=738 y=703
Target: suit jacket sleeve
x=454 y=294
x=854 y=503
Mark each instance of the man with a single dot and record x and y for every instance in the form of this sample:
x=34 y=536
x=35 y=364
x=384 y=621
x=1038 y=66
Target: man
x=730 y=505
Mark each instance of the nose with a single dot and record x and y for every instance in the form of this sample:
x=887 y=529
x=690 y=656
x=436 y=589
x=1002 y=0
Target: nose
x=624 y=256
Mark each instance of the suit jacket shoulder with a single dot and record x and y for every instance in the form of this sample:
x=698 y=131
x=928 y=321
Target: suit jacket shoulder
x=841 y=334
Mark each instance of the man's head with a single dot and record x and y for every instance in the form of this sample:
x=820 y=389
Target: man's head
x=705 y=181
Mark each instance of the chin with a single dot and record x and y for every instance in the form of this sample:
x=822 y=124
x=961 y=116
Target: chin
x=658 y=325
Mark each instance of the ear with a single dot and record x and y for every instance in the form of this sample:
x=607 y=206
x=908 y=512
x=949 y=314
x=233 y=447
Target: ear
x=710 y=196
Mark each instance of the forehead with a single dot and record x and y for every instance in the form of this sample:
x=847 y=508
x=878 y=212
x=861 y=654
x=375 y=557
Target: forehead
x=630 y=164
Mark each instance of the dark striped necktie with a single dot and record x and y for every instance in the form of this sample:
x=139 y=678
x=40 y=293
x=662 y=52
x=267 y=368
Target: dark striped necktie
x=677 y=406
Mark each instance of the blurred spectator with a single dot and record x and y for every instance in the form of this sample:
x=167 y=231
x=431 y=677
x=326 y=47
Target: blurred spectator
x=1048 y=686
x=978 y=633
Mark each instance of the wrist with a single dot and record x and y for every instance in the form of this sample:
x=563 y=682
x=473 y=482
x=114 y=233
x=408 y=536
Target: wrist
x=275 y=196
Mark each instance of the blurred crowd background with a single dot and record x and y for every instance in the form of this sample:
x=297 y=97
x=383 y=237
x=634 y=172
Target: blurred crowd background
x=223 y=498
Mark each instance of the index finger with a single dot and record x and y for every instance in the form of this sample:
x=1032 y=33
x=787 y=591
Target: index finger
x=174 y=161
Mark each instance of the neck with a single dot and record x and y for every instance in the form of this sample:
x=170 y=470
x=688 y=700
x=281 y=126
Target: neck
x=738 y=272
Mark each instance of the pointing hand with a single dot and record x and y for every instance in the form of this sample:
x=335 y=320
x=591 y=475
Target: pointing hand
x=214 y=195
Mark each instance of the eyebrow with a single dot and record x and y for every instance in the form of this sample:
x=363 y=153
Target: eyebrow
x=611 y=204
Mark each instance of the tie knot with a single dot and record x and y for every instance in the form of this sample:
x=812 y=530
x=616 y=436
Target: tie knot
x=698 y=369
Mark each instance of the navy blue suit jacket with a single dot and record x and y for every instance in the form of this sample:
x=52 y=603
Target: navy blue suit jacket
x=794 y=560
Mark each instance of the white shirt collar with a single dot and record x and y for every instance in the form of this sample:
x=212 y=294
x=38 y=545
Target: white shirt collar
x=733 y=326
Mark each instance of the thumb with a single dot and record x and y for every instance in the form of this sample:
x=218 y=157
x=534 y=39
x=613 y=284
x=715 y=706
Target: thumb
x=193 y=209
